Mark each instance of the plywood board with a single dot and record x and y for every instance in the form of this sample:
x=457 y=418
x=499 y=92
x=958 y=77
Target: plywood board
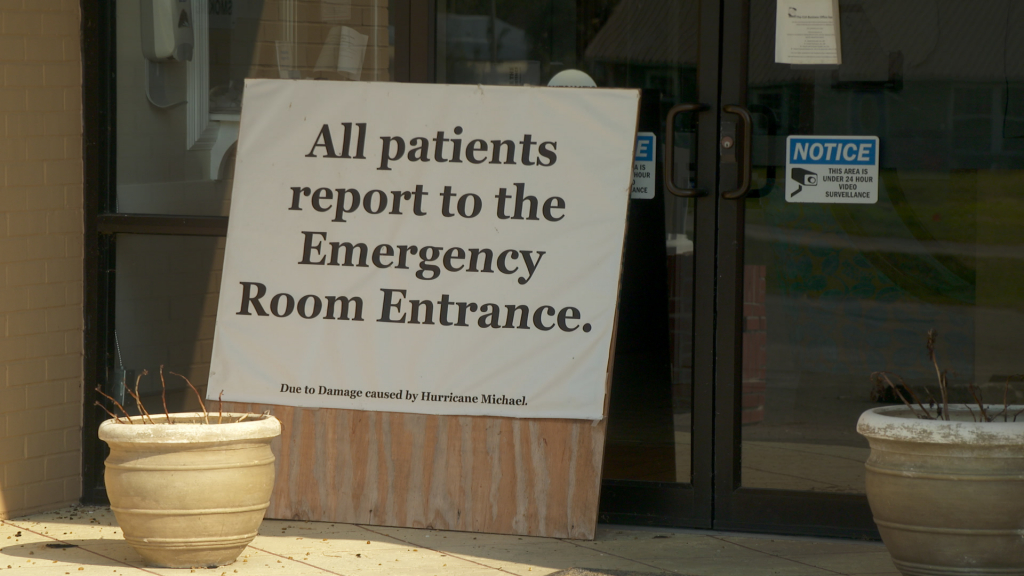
x=538 y=477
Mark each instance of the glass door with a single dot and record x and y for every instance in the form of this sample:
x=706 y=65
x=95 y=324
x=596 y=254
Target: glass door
x=815 y=296
x=658 y=456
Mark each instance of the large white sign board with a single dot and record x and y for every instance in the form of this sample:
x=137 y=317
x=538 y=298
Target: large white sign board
x=424 y=248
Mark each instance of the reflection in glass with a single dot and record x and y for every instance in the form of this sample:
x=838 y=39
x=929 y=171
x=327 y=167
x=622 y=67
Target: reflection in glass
x=833 y=291
x=178 y=119
x=620 y=43
x=648 y=44
x=165 y=307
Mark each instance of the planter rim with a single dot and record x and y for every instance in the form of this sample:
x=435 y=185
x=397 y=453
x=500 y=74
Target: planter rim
x=260 y=427
x=898 y=423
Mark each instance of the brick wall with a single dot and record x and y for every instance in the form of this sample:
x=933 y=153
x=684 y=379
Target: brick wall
x=41 y=253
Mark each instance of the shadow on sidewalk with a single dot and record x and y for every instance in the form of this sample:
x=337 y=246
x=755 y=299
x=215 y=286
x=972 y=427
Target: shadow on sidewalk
x=112 y=552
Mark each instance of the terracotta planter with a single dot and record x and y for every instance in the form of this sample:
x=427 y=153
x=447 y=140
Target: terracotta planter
x=190 y=494
x=948 y=497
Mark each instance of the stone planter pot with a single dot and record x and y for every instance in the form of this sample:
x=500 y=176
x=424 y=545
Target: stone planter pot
x=948 y=497
x=190 y=494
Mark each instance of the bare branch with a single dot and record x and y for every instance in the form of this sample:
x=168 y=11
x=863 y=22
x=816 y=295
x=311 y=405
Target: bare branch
x=943 y=391
x=976 y=394
x=884 y=376
x=1019 y=412
x=163 y=394
x=1006 y=398
x=206 y=415
x=116 y=403
x=138 y=401
x=112 y=415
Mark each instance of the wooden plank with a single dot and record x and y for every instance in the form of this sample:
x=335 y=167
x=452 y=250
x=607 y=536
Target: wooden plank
x=537 y=477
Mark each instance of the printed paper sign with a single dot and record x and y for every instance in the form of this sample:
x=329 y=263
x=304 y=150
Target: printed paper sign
x=832 y=169
x=807 y=32
x=644 y=166
x=424 y=248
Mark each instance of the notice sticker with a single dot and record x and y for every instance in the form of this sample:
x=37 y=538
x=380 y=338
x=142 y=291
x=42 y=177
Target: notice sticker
x=643 y=166
x=832 y=169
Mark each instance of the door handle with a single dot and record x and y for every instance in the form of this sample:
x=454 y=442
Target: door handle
x=670 y=146
x=747 y=144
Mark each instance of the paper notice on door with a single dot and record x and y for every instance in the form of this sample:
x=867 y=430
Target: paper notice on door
x=807 y=32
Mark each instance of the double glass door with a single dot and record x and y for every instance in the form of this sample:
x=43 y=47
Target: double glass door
x=750 y=322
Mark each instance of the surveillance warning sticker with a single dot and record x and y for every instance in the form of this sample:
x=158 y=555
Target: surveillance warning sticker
x=832 y=169
x=643 y=166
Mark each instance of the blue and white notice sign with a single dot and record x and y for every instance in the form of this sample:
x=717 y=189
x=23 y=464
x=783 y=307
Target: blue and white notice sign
x=643 y=166
x=832 y=169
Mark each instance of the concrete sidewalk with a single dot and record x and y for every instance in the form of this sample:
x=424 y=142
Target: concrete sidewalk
x=86 y=540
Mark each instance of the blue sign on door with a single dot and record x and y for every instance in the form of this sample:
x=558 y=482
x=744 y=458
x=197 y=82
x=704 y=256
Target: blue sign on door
x=832 y=169
x=644 y=166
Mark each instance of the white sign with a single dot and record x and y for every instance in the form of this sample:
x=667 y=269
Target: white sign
x=832 y=169
x=644 y=166
x=424 y=248
x=807 y=32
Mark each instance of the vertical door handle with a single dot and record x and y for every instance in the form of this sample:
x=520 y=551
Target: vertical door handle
x=747 y=144
x=670 y=146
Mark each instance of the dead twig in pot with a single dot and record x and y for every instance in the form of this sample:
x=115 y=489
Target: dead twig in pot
x=206 y=415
